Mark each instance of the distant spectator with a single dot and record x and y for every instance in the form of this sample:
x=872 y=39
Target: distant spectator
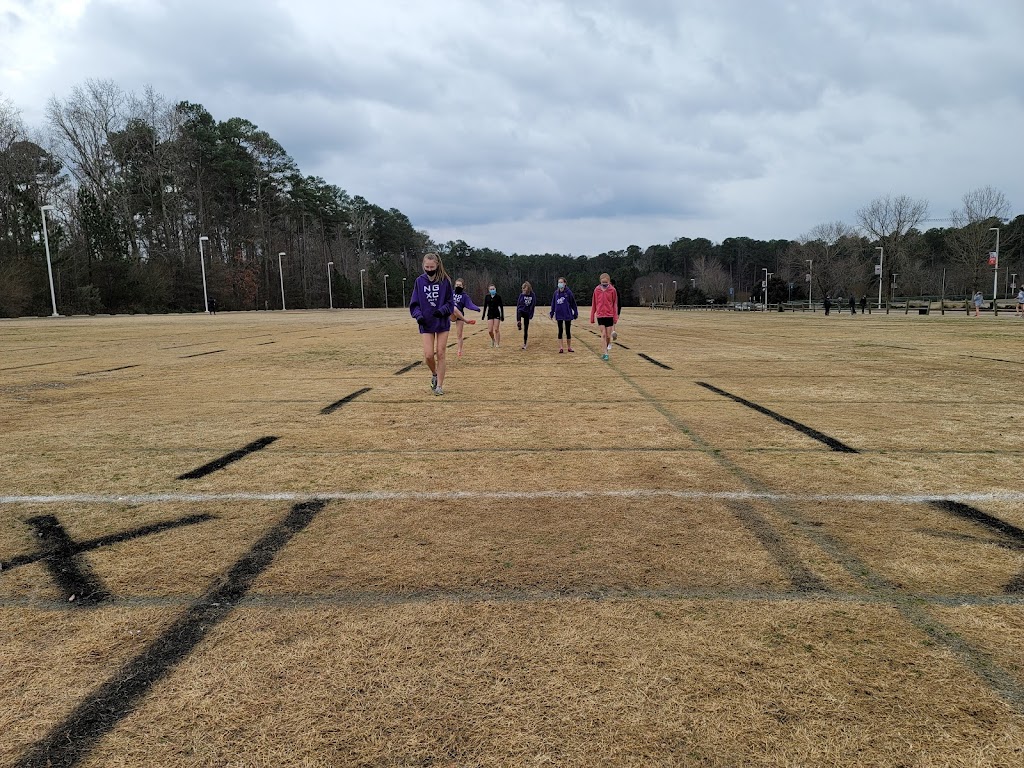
x=1020 y=302
x=978 y=301
x=827 y=304
x=213 y=306
x=839 y=305
x=853 y=305
x=863 y=304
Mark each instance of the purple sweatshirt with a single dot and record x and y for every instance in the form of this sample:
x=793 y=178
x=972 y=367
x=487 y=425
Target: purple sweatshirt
x=526 y=304
x=463 y=302
x=563 y=305
x=432 y=302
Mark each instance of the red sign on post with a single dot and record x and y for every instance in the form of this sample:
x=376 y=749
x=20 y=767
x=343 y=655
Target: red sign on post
x=993 y=259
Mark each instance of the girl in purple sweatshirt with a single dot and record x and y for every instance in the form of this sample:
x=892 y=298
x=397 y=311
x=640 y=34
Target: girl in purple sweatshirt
x=431 y=306
x=524 y=311
x=564 y=310
x=462 y=303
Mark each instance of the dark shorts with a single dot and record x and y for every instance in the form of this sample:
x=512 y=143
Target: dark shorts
x=607 y=322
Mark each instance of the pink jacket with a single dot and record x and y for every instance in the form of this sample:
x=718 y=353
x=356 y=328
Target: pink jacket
x=605 y=303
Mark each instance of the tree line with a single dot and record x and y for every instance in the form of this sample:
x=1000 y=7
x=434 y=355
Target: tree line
x=135 y=181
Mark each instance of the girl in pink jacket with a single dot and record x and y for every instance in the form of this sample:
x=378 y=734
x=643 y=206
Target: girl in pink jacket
x=605 y=307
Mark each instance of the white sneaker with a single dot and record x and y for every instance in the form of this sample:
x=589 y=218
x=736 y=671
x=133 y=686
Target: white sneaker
x=438 y=391
x=615 y=335
x=609 y=347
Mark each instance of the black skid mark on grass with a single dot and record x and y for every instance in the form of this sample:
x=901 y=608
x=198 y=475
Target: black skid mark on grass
x=54 y=362
x=230 y=458
x=60 y=557
x=620 y=345
x=263 y=344
x=994 y=359
x=200 y=354
x=976 y=516
x=650 y=359
x=814 y=434
x=346 y=399
x=799 y=575
x=408 y=368
x=108 y=370
x=71 y=741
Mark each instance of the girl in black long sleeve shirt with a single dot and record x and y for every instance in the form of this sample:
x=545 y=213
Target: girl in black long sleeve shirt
x=494 y=313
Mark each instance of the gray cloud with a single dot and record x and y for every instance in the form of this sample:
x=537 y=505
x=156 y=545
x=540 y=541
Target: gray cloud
x=539 y=121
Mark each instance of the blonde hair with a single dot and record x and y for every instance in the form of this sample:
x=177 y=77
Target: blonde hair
x=604 y=275
x=441 y=273
x=527 y=288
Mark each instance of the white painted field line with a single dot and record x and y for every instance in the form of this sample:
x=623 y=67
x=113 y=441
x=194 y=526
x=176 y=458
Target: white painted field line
x=157 y=498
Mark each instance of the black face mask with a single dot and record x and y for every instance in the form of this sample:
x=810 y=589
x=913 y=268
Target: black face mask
x=458 y=289
x=430 y=272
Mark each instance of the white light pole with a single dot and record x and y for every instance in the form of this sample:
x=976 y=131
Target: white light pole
x=995 y=271
x=386 y=292
x=202 y=265
x=661 y=292
x=810 y=282
x=767 y=275
x=280 y=272
x=49 y=269
x=1013 y=285
x=362 y=295
x=330 y=292
x=675 y=290
x=881 y=261
x=403 y=291
x=892 y=295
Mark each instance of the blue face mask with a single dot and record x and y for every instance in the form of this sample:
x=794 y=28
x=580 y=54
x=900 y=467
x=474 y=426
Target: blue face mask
x=561 y=286
x=493 y=292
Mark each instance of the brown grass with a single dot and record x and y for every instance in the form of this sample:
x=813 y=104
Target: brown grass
x=558 y=631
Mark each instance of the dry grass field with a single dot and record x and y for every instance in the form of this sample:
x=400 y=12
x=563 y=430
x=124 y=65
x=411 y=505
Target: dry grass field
x=254 y=540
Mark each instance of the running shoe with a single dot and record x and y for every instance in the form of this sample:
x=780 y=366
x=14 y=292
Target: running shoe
x=604 y=357
x=615 y=335
x=438 y=391
x=571 y=349
x=561 y=351
x=433 y=381
x=609 y=348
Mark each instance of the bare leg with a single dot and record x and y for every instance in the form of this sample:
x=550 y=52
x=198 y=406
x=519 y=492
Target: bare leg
x=428 y=351
x=442 y=348
x=459 y=326
x=497 y=333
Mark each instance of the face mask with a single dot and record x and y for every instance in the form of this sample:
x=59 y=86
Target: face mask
x=492 y=292
x=458 y=289
x=561 y=286
x=430 y=272
x=604 y=285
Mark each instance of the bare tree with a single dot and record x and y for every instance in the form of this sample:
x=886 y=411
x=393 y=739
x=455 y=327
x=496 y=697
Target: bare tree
x=889 y=221
x=970 y=238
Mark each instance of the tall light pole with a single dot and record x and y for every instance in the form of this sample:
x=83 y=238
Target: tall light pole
x=810 y=282
x=767 y=275
x=1013 y=285
x=403 y=291
x=362 y=295
x=675 y=290
x=386 y=292
x=661 y=292
x=995 y=272
x=49 y=269
x=330 y=291
x=892 y=295
x=881 y=261
x=280 y=272
x=202 y=265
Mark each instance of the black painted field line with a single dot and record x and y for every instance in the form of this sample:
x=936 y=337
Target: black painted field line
x=108 y=370
x=408 y=368
x=71 y=741
x=72 y=574
x=54 y=362
x=994 y=359
x=650 y=359
x=346 y=399
x=821 y=437
x=620 y=345
x=200 y=354
x=77 y=547
x=230 y=458
x=263 y=344
x=975 y=515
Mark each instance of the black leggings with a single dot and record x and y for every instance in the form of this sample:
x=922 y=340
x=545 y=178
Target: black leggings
x=568 y=329
x=526 y=328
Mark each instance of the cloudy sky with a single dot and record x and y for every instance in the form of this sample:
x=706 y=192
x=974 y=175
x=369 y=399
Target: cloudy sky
x=576 y=126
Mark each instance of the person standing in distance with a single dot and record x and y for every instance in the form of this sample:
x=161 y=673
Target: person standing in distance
x=564 y=311
x=1020 y=302
x=431 y=306
x=605 y=307
x=462 y=303
x=525 y=306
x=978 y=301
x=494 y=313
